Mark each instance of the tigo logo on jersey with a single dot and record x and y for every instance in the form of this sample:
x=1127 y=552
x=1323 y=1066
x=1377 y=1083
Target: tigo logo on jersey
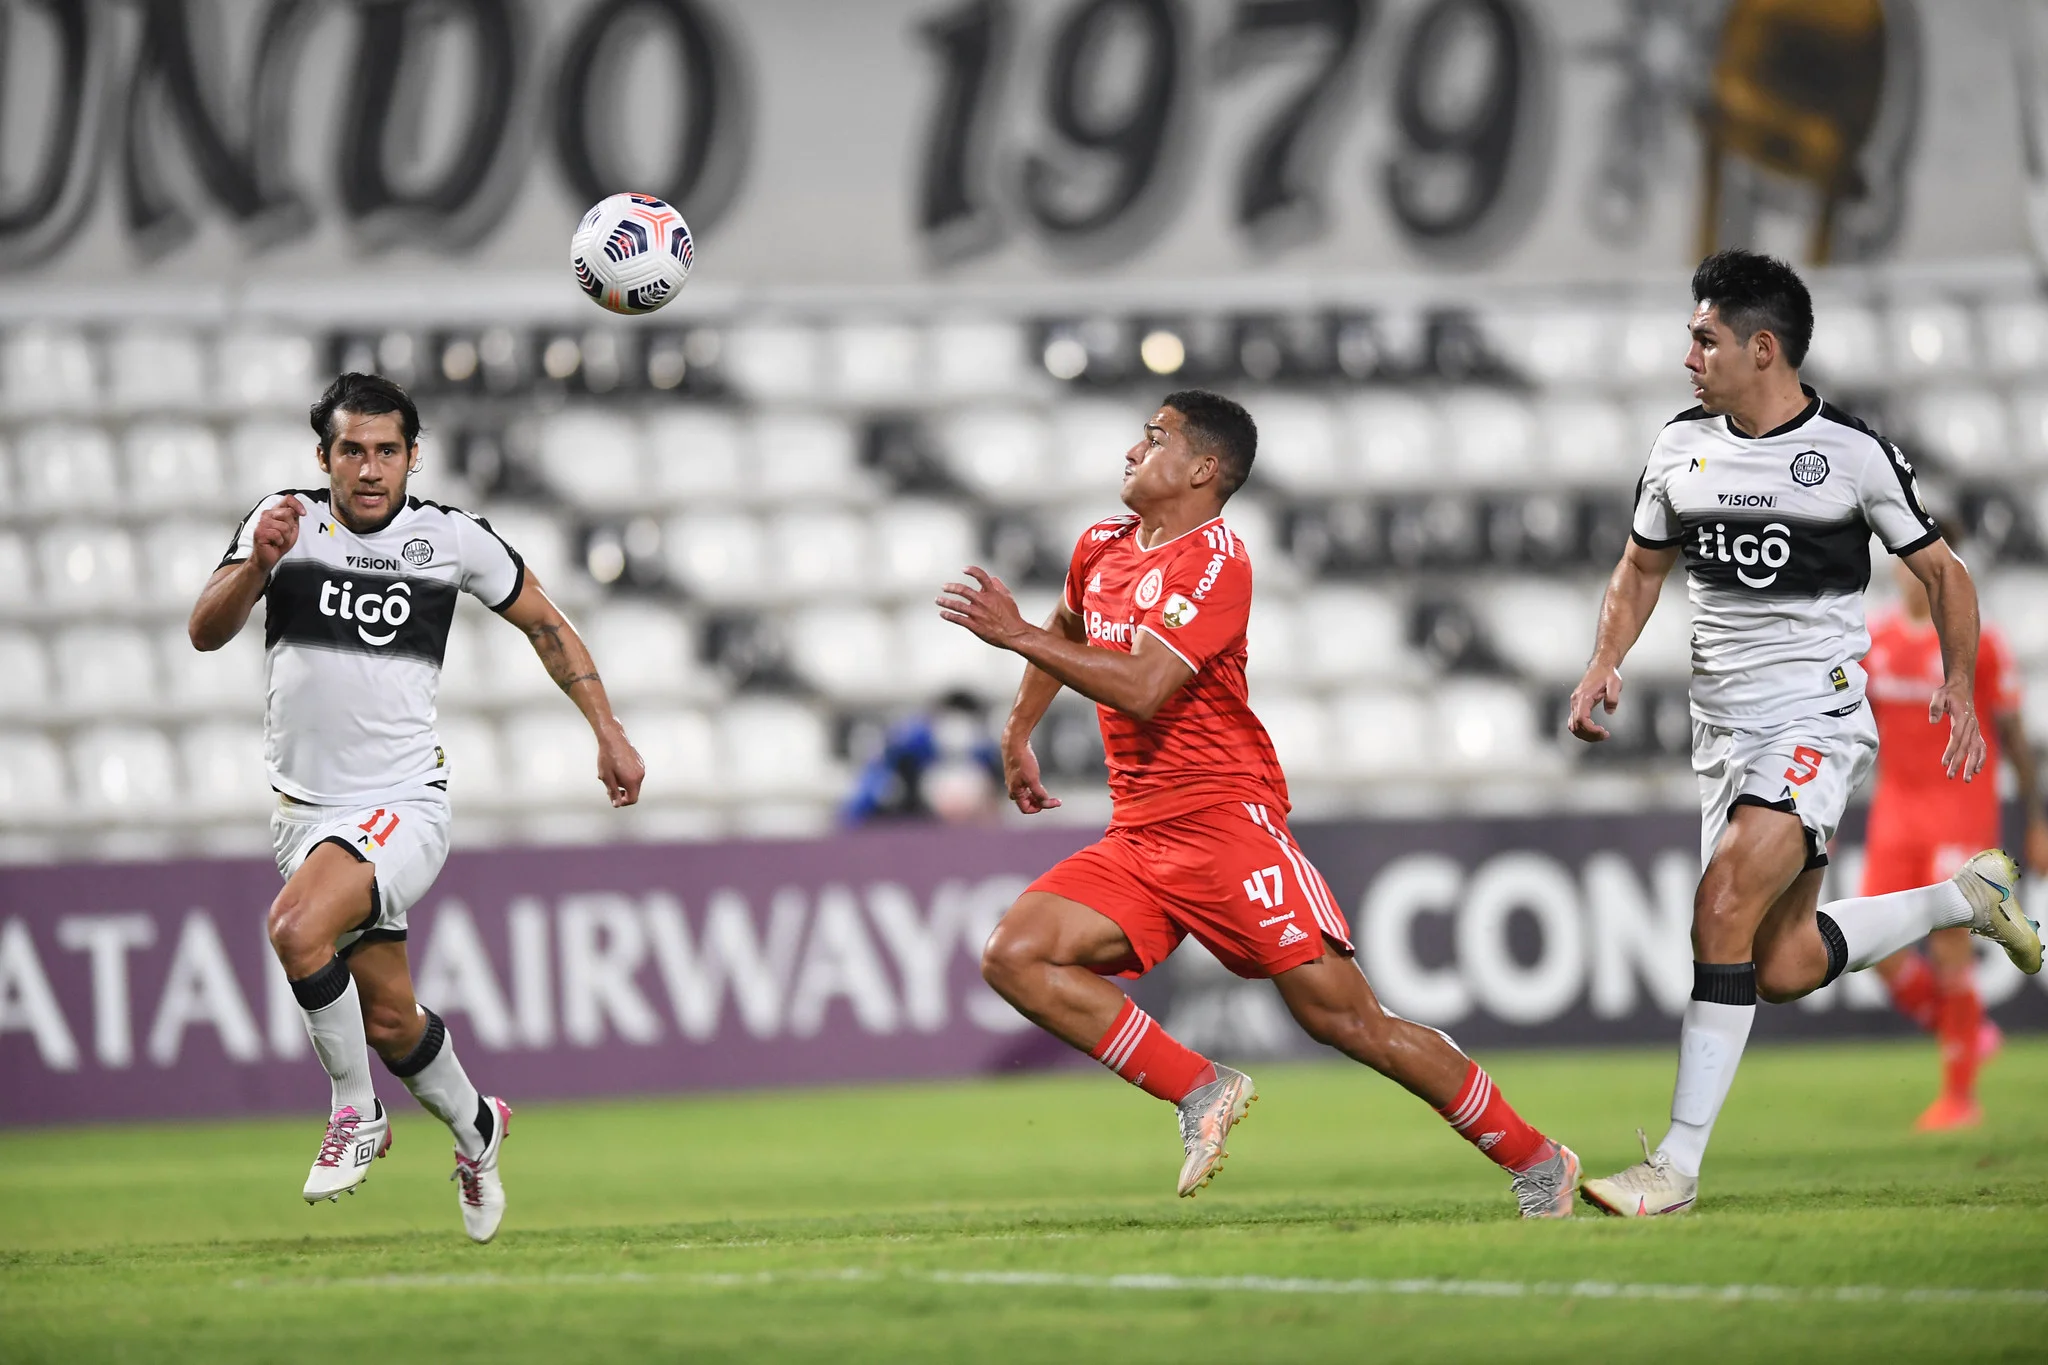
x=392 y=607
x=417 y=552
x=1178 y=611
x=1809 y=467
x=1148 y=590
x=1771 y=549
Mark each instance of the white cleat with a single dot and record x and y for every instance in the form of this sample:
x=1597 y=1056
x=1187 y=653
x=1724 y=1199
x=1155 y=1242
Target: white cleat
x=1206 y=1117
x=479 y=1190
x=351 y=1144
x=1650 y=1188
x=1990 y=882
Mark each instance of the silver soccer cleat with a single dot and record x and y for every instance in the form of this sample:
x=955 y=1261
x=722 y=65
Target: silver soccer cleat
x=1990 y=882
x=1649 y=1189
x=1545 y=1189
x=1206 y=1117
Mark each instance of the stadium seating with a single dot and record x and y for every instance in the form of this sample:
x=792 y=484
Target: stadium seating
x=748 y=515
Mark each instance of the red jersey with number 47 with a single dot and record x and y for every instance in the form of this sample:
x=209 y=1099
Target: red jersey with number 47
x=1192 y=595
x=1914 y=794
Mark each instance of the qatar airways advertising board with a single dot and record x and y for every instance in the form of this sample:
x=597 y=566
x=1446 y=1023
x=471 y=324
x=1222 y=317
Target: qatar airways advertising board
x=146 y=990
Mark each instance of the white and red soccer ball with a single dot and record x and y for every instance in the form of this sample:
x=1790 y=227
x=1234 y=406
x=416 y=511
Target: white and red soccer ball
x=632 y=253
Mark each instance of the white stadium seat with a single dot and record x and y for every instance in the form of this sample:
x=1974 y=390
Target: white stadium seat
x=1381 y=732
x=1931 y=338
x=1965 y=427
x=551 y=758
x=171 y=465
x=694 y=455
x=269 y=457
x=1848 y=345
x=916 y=545
x=17 y=577
x=775 y=747
x=87 y=564
x=1273 y=650
x=680 y=750
x=32 y=780
x=2016 y=337
x=977 y=358
x=1003 y=454
x=65 y=469
x=26 y=666
x=720 y=557
x=1347 y=633
x=936 y=656
x=1398 y=439
x=512 y=671
x=819 y=552
x=229 y=680
x=847 y=652
x=1301 y=449
x=541 y=542
x=124 y=770
x=1089 y=441
x=106 y=670
x=178 y=557
x=1490 y=436
x=477 y=771
x=808 y=457
x=47 y=369
x=157 y=369
x=1554 y=343
x=592 y=458
x=1543 y=627
x=1653 y=343
x=873 y=361
x=1484 y=726
x=2028 y=426
x=775 y=361
x=1589 y=439
x=645 y=650
x=2013 y=600
x=224 y=767
x=1300 y=729
x=264 y=369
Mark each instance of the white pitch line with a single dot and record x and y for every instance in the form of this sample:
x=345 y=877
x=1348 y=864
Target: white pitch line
x=1181 y=1284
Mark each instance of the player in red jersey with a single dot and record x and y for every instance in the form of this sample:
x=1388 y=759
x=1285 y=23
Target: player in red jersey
x=1151 y=628
x=1922 y=828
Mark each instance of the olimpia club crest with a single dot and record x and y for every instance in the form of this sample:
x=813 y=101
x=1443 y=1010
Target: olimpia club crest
x=1809 y=467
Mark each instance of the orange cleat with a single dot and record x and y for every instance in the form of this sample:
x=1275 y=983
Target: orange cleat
x=1949 y=1114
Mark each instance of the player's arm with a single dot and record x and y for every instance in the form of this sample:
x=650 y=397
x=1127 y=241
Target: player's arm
x=568 y=662
x=1034 y=696
x=231 y=594
x=1632 y=591
x=1137 y=683
x=1952 y=595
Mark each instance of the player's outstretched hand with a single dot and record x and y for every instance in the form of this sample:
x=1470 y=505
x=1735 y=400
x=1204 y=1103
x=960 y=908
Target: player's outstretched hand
x=277 y=530
x=1965 y=752
x=1600 y=687
x=1020 y=776
x=984 y=607
x=619 y=767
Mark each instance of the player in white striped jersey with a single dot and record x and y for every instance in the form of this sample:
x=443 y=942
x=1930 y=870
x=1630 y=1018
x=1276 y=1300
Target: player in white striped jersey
x=1771 y=495
x=359 y=585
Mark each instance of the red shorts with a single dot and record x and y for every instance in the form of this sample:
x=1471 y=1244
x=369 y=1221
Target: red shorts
x=1900 y=864
x=1231 y=875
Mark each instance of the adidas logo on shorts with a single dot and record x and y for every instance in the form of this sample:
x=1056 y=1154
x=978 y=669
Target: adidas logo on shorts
x=1291 y=934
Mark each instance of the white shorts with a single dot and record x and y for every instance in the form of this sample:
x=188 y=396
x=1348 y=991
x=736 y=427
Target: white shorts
x=1808 y=767
x=406 y=841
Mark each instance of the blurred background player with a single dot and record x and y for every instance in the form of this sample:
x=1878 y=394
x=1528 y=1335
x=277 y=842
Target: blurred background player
x=1923 y=827
x=939 y=764
x=359 y=586
x=1772 y=496
x=1151 y=627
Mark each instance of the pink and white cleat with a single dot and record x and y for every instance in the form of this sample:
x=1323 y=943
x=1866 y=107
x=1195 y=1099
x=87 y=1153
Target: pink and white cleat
x=480 y=1192
x=351 y=1144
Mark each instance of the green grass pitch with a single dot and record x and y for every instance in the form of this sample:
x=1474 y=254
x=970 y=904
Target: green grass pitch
x=992 y=1221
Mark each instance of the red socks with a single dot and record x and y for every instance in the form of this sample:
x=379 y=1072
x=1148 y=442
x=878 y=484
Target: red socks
x=1140 y=1051
x=1489 y=1123
x=1916 y=993
x=1961 y=1023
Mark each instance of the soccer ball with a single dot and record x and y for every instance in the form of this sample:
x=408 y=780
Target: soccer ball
x=632 y=253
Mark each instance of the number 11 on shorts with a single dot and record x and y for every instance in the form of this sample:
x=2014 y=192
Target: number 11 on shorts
x=381 y=834
x=1264 y=887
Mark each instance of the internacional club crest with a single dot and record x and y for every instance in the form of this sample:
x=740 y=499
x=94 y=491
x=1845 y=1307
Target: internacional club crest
x=1148 y=589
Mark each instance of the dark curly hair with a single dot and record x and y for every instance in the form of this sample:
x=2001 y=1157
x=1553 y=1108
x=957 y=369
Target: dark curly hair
x=365 y=395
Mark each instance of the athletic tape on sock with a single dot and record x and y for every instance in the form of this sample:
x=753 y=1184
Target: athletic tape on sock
x=322 y=988
x=424 y=1051
x=1724 y=983
x=1837 y=944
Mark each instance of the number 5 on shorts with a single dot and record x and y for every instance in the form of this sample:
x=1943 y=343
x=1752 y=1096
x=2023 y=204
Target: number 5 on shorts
x=1805 y=766
x=1264 y=887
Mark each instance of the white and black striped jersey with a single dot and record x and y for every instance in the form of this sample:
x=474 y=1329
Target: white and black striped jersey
x=355 y=629
x=1775 y=531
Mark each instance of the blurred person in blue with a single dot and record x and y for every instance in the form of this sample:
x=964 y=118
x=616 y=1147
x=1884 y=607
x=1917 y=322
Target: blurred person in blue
x=940 y=764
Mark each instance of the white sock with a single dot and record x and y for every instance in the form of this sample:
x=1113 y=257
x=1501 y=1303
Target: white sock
x=442 y=1087
x=1875 y=927
x=1710 y=1044
x=334 y=1021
